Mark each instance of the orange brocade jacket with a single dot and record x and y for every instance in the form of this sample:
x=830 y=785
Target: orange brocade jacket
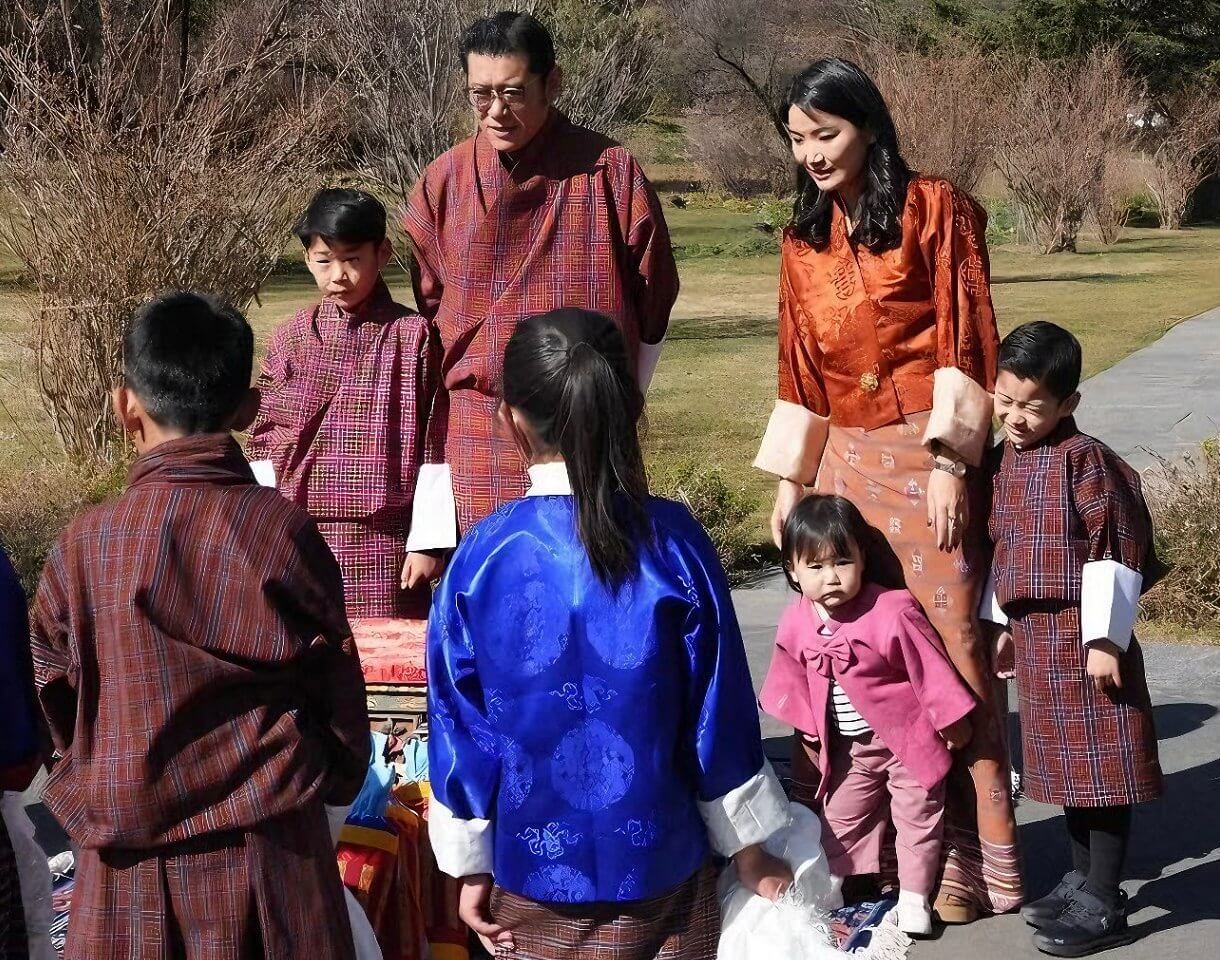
x=867 y=340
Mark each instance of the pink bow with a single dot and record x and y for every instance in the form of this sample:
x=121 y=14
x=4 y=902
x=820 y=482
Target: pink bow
x=825 y=651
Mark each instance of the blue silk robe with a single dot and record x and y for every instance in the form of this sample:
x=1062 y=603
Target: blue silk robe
x=590 y=740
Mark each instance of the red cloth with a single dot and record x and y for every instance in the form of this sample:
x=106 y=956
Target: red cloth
x=346 y=417
x=1056 y=507
x=193 y=658
x=894 y=670
x=392 y=651
x=573 y=223
x=860 y=334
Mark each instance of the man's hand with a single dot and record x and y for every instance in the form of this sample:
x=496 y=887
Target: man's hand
x=474 y=909
x=421 y=568
x=761 y=873
x=1005 y=652
x=1104 y=665
x=958 y=734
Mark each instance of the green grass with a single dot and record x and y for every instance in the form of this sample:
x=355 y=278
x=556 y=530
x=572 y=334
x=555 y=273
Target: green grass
x=716 y=382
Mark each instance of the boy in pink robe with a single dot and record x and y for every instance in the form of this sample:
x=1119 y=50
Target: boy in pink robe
x=861 y=673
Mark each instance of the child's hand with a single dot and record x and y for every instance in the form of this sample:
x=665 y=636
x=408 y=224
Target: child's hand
x=957 y=735
x=1103 y=665
x=474 y=909
x=421 y=568
x=1005 y=654
x=761 y=873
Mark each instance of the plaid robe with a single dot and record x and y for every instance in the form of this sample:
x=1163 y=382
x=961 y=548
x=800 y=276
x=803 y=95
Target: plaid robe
x=570 y=222
x=196 y=669
x=1056 y=507
x=346 y=418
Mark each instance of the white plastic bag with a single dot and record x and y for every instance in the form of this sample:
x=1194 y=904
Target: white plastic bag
x=794 y=927
x=34 y=876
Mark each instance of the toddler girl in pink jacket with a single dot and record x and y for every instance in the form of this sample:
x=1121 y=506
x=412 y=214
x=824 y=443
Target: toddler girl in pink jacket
x=860 y=671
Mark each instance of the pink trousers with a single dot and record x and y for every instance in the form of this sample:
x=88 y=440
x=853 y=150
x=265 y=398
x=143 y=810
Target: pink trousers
x=867 y=787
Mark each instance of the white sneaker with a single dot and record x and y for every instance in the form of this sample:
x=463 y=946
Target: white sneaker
x=914 y=914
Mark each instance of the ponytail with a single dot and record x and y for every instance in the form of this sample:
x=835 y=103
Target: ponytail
x=568 y=372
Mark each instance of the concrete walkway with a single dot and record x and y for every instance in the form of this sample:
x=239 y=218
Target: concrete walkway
x=1163 y=400
x=1174 y=863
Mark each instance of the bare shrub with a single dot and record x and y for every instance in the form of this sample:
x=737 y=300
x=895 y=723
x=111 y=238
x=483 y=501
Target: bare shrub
x=1184 y=143
x=123 y=175
x=1115 y=196
x=735 y=149
x=1185 y=500
x=1058 y=124
x=942 y=104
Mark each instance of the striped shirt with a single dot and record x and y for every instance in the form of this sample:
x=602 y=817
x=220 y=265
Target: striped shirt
x=846 y=717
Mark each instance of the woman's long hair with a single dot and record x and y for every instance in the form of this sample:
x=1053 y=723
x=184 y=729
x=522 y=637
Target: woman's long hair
x=567 y=371
x=842 y=89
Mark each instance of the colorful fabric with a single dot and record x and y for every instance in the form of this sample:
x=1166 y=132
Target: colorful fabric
x=392 y=651
x=1056 y=507
x=221 y=896
x=587 y=725
x=867 y=789
x=861 y=334
x=350 y=410
x=21 y=744
x=571 y=221
x=880 y=648
x=193 y=658
x=682 y=924
x=884 y=472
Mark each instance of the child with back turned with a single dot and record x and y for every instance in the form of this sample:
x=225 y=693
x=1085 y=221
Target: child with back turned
x=1073 y=551
x=196 y=669
x=346 y=421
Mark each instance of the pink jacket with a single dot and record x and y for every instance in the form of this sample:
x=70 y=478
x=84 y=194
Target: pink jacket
x=890 y=663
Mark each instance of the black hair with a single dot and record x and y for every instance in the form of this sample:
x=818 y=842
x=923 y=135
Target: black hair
x=841 y=88
x=344 y=216
x=1045 y=352
x=188 y=357
x=824 y=523
x=568 y=372
x=508 y=32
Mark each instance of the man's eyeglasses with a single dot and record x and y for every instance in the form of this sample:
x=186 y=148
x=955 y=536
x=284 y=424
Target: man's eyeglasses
x=481 y=98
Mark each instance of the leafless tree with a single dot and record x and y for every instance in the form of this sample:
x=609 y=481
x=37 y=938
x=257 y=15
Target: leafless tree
x=1184 y=143
x=1058 y=124
x=121 y=177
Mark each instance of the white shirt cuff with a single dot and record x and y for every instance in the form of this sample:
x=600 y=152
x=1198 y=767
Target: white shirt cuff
x=650 y=356
x=462 y=847
x=1109 y=602
x=793 y=445
x=989 y=605
x=264 y=472
x=434 y=511
x=747 y=815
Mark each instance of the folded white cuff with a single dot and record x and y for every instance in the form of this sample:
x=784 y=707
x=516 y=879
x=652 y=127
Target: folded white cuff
x=989 y=606
x=650 y=356
x=1109 y=602
x=462 y=847
x=747 y=815
x=264 y=472
x=434 y=511
x=961 y=415
x=794 y=442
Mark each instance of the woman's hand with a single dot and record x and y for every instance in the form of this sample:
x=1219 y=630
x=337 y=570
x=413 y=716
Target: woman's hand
x=948 y=509
x=958 y=734
x=761 y=873
x=421 y=568
x=474 y=909
x=787 y=496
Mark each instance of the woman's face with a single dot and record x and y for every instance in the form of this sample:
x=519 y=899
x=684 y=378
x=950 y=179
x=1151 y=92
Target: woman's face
x=832 y=150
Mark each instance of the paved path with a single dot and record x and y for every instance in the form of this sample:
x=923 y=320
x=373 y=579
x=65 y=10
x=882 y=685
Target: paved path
x=1174 y=863
x=1164 y=399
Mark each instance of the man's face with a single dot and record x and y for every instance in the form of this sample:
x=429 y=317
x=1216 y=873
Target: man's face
x=1027 y=411
x=513 y=103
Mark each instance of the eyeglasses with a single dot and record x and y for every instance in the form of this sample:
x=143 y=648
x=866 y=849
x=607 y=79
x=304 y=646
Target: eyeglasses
x=481 y=98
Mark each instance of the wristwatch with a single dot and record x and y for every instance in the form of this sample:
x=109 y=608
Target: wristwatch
x=955 y=467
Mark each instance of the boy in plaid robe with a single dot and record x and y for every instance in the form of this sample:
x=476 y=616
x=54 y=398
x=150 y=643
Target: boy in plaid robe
x=345 y=426
x=1073 y=551
x=194 y=663
x=531 y=214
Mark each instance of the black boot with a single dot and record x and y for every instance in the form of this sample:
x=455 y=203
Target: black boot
x=1087 y=925
x=1041 y=912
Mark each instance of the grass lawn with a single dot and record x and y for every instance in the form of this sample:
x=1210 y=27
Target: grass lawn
x=716 y=381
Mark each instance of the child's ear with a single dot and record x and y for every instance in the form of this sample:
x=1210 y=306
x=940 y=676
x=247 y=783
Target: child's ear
x=247 y=410
x=129 y=413
x=1068 y=407
x=385 y=253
